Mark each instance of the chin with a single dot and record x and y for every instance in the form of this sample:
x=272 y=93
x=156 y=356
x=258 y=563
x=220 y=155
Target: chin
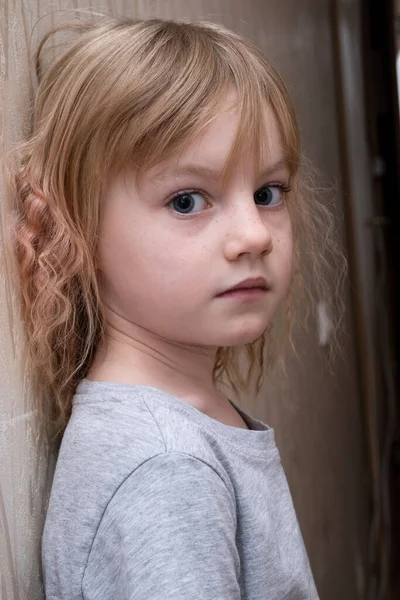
x=246 y=335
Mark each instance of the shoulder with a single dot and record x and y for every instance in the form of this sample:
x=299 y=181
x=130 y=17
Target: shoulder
x=125 y=426
x=116 y=435
x=174 y=477
x=174 y=517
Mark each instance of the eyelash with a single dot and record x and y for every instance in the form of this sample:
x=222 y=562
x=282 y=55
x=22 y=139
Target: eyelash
x=285 y=189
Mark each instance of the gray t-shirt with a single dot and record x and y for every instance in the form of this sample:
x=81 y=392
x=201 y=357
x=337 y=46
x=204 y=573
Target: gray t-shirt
x=154 y=500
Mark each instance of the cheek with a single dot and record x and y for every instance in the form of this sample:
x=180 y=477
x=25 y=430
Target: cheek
x=137 y=267
x=284 y=255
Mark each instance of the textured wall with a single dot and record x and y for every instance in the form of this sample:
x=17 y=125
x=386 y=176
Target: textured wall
x=316 y=416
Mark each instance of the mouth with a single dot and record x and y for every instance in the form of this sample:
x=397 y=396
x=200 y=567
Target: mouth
x=251 y=284
x=244 y=294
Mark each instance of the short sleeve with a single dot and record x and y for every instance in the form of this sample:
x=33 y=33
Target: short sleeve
x=168 y=533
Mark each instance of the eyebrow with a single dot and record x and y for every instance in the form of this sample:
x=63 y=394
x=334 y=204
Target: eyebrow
x=193 y=169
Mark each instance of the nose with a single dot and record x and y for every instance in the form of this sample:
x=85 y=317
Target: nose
x=248 y=232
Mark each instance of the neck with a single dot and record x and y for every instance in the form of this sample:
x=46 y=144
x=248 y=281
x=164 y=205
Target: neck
x=134 y=355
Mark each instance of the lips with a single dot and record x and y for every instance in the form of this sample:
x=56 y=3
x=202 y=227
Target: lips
x=253 y=282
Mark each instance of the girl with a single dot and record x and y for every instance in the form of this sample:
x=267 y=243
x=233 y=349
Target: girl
x=162 y=229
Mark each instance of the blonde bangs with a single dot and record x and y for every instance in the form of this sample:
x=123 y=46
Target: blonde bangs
x=159 y=84
x=177 y=112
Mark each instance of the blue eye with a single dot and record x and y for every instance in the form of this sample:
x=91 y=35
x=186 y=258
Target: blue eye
x=185 y=202
x=270 y=195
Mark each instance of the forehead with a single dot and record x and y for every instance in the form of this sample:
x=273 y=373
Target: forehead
x=211 y=147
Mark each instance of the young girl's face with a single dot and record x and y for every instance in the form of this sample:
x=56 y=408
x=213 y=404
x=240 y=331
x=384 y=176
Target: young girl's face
x=165 y=258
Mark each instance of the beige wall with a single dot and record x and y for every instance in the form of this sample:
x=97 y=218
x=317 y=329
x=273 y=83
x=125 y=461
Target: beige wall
x=317 y=415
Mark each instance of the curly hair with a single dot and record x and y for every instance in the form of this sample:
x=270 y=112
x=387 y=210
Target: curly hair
x=131 y=92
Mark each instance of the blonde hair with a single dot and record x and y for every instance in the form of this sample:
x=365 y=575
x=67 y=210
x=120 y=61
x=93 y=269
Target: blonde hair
x=126 y=93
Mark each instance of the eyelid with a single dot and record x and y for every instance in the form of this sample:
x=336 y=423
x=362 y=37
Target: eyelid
x=186 y=191
x=279 y=184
